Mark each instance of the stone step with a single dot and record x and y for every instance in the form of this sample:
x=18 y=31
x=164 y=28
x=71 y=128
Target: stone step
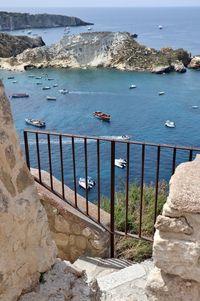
x=118 y=280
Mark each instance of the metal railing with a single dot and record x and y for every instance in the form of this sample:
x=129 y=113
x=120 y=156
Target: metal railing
x=152 y=161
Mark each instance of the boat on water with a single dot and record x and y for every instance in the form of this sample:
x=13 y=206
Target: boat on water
x=38 y=83
x=20 y=95
x=195 y=107
x=38 y=77
x=55 y=85
x=31 y=76
x=51 y=98
x=89 y=29
x=35 y=122
x=15 y=82
x=161 y=93
x=170 y=124
x=90 y=183
x=11 y=77
x=63 y=91
x=132 y=86
x=160 y=26
x=121 y=163
x=29 y=32
x=101 y=115
x=46 y=88
x=50 y=78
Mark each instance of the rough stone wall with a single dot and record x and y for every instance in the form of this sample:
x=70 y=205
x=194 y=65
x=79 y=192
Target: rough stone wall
x=73 y=232
x=176 y=249
x=26 y=248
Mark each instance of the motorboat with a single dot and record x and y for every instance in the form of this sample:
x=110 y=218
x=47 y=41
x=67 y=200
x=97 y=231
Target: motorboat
x=170 y=124
x=90 y=183
x=124 y=137
x=63 y=91
x=161 y=93
x=20 y=95
x=38 y=77
x=38 y=83
x=11 y=77
x=101 y=115
x=35 y=122
x=89 y=29
x=15 y=82
x=55 y=85
x=50 y=78
x=51 y=98
x=46 y=88
x=160 y=26
x=195 y=107
x=121 y=163
x=31 y=76
x=132 y=87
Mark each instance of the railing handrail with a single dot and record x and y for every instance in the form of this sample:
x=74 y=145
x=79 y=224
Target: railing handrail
x=178 y=147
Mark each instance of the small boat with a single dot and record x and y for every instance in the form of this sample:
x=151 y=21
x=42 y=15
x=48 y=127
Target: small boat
x=64 y=91
x=89 y=28
x=38 y=77
x=195 y=107
x=55 y=85
x=20 y=95
x=46 y=88
x=31 y=76
x=11 y=77
x=29 y=32
x=121 y=163
x=170 y=124
x=15 y=82
x=132 y=87
x=38 y=83
x=90 y=183
x=161 y=93
x=160 y=26
x=102 y=116
x=50 y=78
x=124 y=137
x=51 y=98
x=35 y=122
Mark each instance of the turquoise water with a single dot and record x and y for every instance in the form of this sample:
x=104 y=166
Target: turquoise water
x=139 y=113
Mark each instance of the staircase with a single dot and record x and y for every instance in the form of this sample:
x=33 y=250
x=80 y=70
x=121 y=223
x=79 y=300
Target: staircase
x=118 y=279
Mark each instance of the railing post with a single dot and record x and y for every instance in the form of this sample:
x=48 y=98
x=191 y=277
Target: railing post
x=26 y=149
x=112 y=201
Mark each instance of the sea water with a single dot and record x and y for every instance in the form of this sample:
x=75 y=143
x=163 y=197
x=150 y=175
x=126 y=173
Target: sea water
x=140 y=113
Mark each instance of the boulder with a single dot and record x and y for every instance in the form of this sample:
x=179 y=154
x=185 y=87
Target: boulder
x=195 y=63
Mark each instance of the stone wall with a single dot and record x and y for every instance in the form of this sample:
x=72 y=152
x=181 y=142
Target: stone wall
x=176 y=249
x=73 y=232
x=26 y=247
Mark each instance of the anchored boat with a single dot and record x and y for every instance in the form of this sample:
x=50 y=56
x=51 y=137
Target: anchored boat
x=170 y=124
x=51 y=98
x=90 y=183
x=121 y=163
x=132 y=86
x=101 y=115
x=35 y=122
x=20 y=95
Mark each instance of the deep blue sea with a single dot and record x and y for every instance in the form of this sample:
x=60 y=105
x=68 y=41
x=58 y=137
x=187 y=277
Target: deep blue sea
x=139 y=113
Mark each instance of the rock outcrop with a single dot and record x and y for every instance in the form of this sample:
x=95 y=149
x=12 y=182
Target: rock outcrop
x=98 y=49
x=13 y=45
x=27 y=249
x=195 y=63
x=176 y=249
x=12 y=21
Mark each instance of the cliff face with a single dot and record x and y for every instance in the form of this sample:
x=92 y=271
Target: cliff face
x=99 y=49
x=11 y=21
x=13 y=45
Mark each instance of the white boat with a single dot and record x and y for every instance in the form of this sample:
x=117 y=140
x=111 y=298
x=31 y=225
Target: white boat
x=89 y=28
x=161 y=93
x=121 y=163
x=55 y=85
x=29 y=32
x=35 y=122
x=63 y=91
x=123 y=137
x=170 y=124
x=15 y=81
x=51 y=98
x=38 y=77
x=90 y=183
x=132 y=86
x=195 y=107
x=46 y=88
x=160 y=26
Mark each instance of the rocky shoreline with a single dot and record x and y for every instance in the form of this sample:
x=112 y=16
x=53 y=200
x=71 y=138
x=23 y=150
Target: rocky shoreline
x=117 y=50
x=13 y=21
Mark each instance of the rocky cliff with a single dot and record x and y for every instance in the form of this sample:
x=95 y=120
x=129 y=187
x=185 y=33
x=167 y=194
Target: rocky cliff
x=12 y=21
x=100 y=49
x=13 y=45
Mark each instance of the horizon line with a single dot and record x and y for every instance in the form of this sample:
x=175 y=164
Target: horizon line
x=117 y=6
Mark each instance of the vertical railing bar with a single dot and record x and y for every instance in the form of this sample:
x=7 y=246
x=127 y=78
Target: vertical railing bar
x=174 y=160
x=98 y=181
x=190 y=155
x=141 y=189
x=61 y=167
x=50 y=162
x=74 y=171
x=157 y=182
x=26 y=149
x=38 y=157
x=127 y=187
x=112 y=201
x=86 y=174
